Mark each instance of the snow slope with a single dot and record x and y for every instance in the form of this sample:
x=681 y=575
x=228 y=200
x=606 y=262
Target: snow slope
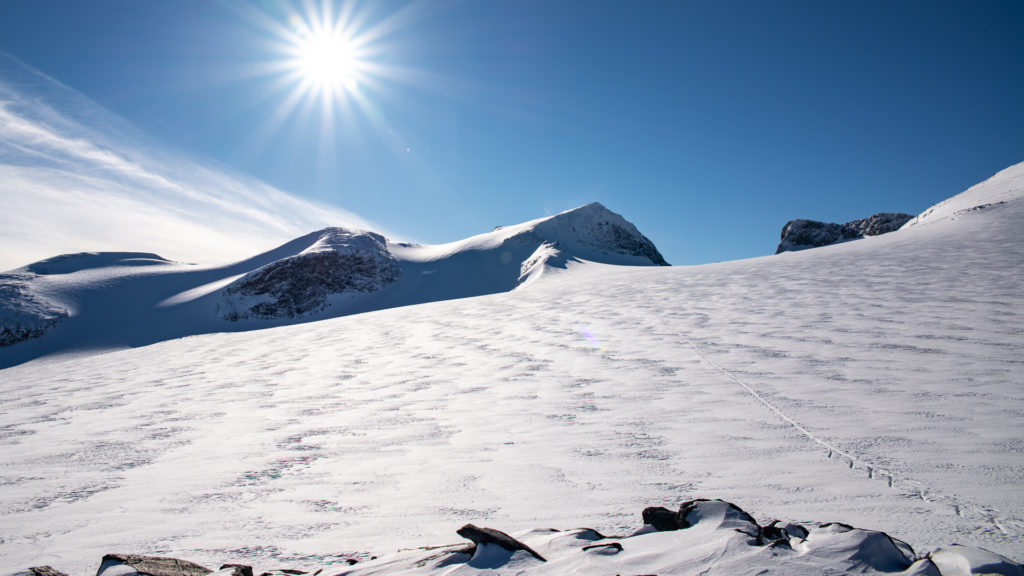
x=876 y=383
x=113 y=299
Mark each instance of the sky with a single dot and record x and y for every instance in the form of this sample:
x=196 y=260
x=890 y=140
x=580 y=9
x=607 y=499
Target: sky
x=212 y=123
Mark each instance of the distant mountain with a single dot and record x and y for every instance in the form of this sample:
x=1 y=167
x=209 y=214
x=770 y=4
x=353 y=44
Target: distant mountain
x=803 y=234
x=127 y=298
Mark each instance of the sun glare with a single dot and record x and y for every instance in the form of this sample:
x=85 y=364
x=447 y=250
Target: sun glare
x=328 y=61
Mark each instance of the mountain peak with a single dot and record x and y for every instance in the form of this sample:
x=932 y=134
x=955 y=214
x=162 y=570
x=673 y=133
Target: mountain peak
x=599 y=234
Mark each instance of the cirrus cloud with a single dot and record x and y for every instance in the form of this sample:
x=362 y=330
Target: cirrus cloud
x=74 y=177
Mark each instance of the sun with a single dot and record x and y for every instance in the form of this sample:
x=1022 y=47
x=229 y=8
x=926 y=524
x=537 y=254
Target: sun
x=328 y=61
x=330 y=65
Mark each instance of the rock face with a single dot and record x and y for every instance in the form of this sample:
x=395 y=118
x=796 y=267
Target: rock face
x=339 y=262
x=24 y=313
x=804 y=234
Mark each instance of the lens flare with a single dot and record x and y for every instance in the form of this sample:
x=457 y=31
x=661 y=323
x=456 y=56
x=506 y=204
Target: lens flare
x=587 y=335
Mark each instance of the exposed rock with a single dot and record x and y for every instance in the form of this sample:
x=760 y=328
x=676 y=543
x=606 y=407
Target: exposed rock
x=24 y=313
x=151 y=565
x=611 y=547
x=881 y=223
x=481 y=536
x=46 y=571
x=39 y=571
x=803 y=234
x=662 y=519
x=339 y=262
x=237 y=569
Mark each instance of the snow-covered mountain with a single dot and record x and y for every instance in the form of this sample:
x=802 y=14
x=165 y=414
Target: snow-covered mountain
x=93 y=300
x=865 y=387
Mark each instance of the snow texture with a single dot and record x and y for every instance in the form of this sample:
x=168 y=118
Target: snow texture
x=875 y=384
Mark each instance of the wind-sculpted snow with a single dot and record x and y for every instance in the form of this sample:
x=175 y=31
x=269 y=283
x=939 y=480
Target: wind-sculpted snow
x=30 y=306
x=712 y=536
x=874 y=384
x=340 y=262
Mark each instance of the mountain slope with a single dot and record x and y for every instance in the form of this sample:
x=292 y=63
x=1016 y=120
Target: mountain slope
x=109 y=300
x=875 y=383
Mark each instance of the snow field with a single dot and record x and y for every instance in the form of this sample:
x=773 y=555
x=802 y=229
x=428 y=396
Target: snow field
x=876 y=383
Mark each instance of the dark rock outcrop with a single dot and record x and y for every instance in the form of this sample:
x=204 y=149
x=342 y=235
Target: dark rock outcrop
x=339 y=262
x=690 y=512
x=24 y=313
x=238 y=569
x=480 y=536
x=803 y=234
x=39 y=571
x=662 y=519
x=152 y=565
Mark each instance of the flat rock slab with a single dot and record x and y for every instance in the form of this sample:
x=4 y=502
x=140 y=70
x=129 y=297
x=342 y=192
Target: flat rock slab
x=153 y=565
x=491 y=536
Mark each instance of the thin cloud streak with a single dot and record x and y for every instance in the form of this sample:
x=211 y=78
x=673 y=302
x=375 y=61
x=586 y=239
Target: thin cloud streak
x=74 y=177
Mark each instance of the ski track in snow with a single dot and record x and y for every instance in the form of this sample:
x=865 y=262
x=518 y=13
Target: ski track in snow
x=894 y=480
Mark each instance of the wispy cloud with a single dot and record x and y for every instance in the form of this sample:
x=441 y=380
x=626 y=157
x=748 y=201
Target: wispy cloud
x=75 y=177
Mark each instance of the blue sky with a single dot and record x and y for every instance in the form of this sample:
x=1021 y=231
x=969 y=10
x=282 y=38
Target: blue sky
x=707 y=124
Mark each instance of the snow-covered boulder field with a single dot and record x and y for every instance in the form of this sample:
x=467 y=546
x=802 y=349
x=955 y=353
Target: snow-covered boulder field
x=803 y=234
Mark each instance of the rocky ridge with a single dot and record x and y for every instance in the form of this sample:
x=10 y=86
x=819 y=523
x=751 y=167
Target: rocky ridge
x=339 y=262
x=802 y=234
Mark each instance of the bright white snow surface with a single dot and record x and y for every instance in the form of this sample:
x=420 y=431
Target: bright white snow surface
x=879 y=383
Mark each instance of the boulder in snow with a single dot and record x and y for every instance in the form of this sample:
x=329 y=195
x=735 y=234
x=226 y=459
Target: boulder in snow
x=489 y=536
x=133 y=564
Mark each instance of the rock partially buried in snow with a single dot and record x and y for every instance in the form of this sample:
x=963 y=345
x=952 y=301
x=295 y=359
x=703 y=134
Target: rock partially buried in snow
x=339 y=262
x=39 y=571
x=662 y=519
x=708 y=536
x=802 y=234
x=484 y=537
x=133 y=564
x=25 y=313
